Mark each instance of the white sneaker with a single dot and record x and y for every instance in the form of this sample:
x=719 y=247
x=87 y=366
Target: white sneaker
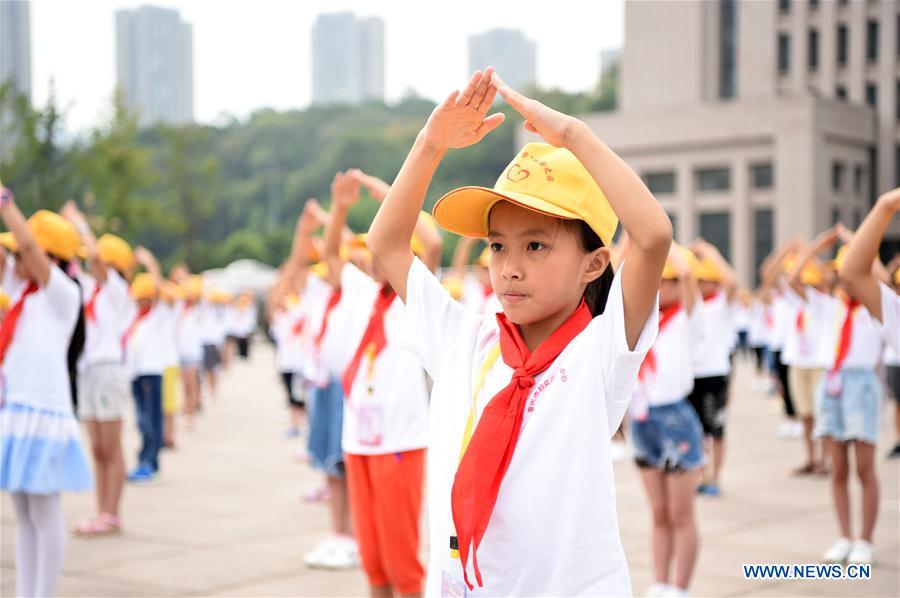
x=838 y=552
x=862 y=553
x=784 y=430
x=675 y=592
x=797 y=430
x=656 y=590
x=340 y=555
x=314 y=557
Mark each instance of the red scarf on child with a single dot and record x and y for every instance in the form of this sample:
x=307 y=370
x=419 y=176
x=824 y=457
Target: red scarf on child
x=8 y=326
x=373 y=337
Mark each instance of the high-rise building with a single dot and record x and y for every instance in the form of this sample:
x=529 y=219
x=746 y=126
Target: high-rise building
x=348 y=59
x=511 y=54
x=755 y=122
x=15 y=44
x=155 y=65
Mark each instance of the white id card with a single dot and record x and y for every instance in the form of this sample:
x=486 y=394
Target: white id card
x=370 y=425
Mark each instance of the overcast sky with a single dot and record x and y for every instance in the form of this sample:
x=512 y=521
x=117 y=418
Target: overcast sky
x=249 y=55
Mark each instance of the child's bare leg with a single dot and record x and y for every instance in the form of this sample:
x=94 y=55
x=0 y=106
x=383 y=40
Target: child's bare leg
x=680 y=493
x=662 y=540
x=865 y=470
x=839 y=475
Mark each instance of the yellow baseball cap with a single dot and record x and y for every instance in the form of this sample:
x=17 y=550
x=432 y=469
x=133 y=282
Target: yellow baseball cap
x=811 y=275
x=54 y=234
x=707 y=270
x=670 y=272
x=4 y=300
x=192 y=287
x=115 y=251
x=897 y=276
x=319 y=269
x=543 y=178
x=416 y=245
x=143 y=287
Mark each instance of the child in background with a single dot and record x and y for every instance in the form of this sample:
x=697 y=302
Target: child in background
x=103 y=380
x=190 y=345
x=884 y=305
x=522 y=482
x=170 y=294
x=666 y=430
x=39 y=435
x=717 y=284
x=385 y=410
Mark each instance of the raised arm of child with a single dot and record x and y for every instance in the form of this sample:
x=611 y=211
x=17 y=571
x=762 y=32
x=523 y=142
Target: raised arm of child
x=460 y=264
x=29 y=251
x=74 y=215
x=344 y=194
x=459 y=121
x=825 y=240
x=145 y=258
x=729 y=277
x=649 y=229
x=856 y=271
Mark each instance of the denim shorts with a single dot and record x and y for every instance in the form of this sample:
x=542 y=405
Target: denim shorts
x=671 y=438
x=856 y=413
x=326 y=424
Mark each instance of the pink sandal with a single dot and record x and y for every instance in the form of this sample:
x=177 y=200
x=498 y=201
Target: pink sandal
x=102 y=524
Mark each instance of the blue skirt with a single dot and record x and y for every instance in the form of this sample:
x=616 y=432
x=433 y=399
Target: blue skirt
x=41 y=451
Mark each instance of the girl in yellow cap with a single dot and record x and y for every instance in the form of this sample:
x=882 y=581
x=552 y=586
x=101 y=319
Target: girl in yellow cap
x=39 y=437
x=103 y=381
x=521 y=484
x=848 y=399
x=856 y=273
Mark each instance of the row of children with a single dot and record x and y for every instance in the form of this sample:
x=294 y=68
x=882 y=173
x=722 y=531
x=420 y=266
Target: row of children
x=75 y=342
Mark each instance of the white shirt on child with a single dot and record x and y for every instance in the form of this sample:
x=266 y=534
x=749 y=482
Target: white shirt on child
x=187 y=333
x=780 y=321
x=866 y=344
x=673 y=378
x=146 y=351
x=890 y=317
x=387 y=410
x=35 y=369
x=103 y=336
x=813 y=346
x=713 y=347
x=554 y=529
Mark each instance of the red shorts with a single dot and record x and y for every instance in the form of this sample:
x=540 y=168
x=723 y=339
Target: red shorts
x=386 y=506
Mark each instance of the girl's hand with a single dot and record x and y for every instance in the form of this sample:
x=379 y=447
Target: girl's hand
x=344 y=190
x=460 y=120
x=555 y=127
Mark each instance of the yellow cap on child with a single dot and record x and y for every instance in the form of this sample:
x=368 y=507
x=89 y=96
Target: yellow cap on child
x=54 y=234
x=838 y=260
x=707 y=270
x=670 y=272
x=115 y=251
x=4 y=300
x=143 y=287
x=543 y=178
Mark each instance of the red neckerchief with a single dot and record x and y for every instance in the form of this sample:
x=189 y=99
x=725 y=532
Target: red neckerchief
x=487 y=457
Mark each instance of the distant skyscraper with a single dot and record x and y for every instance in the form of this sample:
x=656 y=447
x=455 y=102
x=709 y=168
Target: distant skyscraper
x=155 y=64
x=15 y=44
x=348 y=59
x=507 y=50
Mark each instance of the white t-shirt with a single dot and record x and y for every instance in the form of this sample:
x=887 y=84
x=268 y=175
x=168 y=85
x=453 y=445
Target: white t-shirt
x=35 y=369
x=890 y=317
x=554 y=529
x=866 y=344
x=244 y=320
x=285 y=326
x=103 y=337
x=146 y=351
x=673 y=378
x=757 y=335
x=187 y=333
x=780 y=321
x=713 y=348
x=169 y=338
x=813 y=347
x=317 y=295
x=387 y=410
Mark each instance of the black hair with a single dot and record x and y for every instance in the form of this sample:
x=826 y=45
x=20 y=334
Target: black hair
x=76 y=344
x=597 y=291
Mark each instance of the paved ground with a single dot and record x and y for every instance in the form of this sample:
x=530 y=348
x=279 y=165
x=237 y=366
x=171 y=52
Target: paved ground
x=227 y=518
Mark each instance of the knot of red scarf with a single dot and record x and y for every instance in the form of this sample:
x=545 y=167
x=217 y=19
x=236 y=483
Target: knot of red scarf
x=488 y=455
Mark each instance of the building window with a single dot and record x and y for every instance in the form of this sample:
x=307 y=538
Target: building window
x=841 y=92
x=842 y=41
x=872 y=41
x=715 y=227
x=837 y=176
x=660 y=183
x=784 y=52
x=812 y=49
x=713 y=179
x=858 y=179
x=871 y=94
x=835 y=215
x=784 y=6
x=872 y=152
x=763 y=238
x=761 y=176
x=813 y=4
x=727 y=48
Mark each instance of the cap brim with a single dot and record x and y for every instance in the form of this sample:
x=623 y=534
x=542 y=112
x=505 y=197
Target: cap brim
x=465 y=211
